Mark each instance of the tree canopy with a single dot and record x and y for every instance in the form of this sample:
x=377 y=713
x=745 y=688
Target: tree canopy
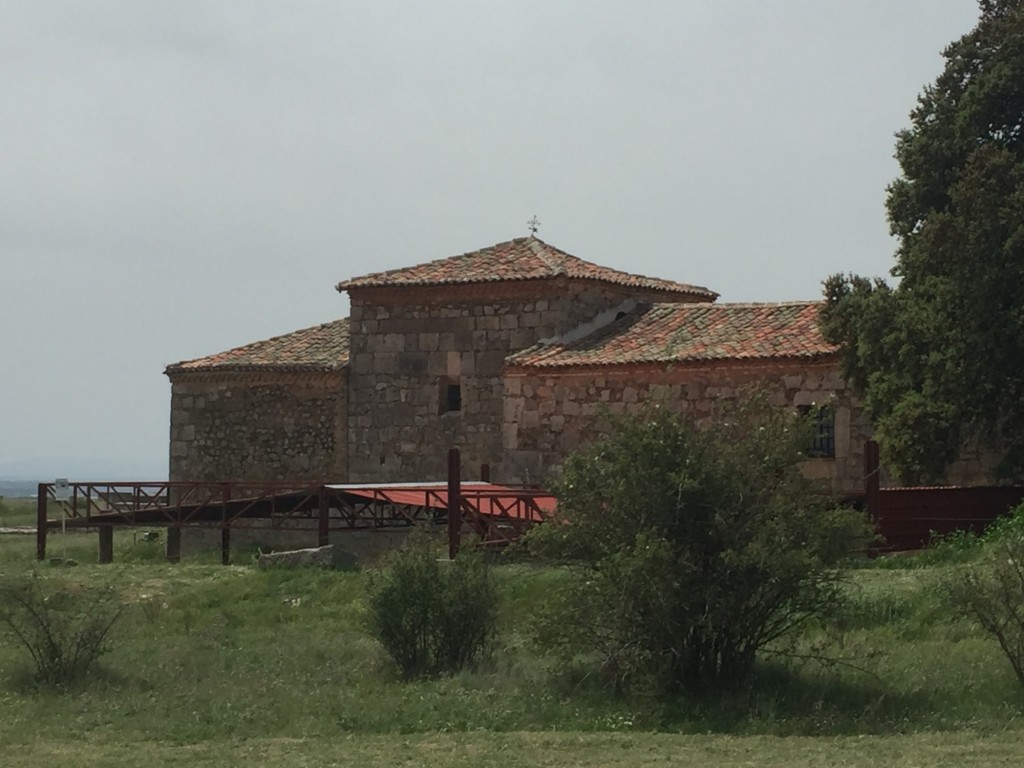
x=939 y=356
x=691 y=550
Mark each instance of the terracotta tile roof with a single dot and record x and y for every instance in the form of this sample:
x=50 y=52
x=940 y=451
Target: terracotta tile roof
x=666 y=333
x=525 y=258
x=320 y=348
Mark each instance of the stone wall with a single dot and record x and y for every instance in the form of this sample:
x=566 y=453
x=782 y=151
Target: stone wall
x=409 y=344
x=548 y=415
x=258 y=426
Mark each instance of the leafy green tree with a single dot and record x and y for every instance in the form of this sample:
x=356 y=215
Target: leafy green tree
x=940 y=355
x=691 y=550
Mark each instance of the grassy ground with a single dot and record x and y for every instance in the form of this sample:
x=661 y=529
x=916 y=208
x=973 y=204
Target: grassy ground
x=218 y=665
x=512 y=750
x=17 y=512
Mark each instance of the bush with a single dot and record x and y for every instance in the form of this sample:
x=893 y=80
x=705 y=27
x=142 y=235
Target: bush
x=432 y=618
x=63 y=632
x=1007 y=528
x=991 y=591
x=692 y=549
x=950 y=548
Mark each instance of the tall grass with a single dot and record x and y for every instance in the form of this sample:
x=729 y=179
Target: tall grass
x=17 y=512
x=215 y=652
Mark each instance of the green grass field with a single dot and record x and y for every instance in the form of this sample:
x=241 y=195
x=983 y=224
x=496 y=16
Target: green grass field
x=17 y=512
x=218 y=665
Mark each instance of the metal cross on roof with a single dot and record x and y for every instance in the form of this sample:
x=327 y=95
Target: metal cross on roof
x=533 y=224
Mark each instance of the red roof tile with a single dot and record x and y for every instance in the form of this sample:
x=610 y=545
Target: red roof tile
x=525 y=258
x=666 y=333
x=320 y=348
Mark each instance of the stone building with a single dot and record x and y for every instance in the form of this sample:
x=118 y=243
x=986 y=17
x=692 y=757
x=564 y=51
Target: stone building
x=513 y=353
x=273 y=410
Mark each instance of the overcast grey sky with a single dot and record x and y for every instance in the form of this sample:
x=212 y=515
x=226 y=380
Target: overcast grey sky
x=178 y=178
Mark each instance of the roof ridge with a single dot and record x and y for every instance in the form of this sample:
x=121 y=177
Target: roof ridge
x=544 y=252
x=755 y=304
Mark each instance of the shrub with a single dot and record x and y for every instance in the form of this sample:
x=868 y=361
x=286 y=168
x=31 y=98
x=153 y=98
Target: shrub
x=950 y=548
x=1009 y=527
x=63 y=632
x=991 y=591
x=432 y=618
x=692 y=549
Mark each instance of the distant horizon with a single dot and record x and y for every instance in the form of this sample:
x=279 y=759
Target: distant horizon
x=45 y=470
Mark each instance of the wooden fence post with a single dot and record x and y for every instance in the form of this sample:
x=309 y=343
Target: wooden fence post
x=41 y=492
x=323 y=535
x=454 y=502
x=872 y=479
x=174 y=544
x=106 y=544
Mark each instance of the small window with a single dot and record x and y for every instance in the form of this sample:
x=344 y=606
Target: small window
x=823 y=430
x=451 y=395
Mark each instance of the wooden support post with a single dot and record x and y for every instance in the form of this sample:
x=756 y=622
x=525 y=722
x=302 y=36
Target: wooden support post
x=454 y=502
x=106 y=544
x=174 y=544
x=872 y=479
x=225 y=525
x=41 y=521
x=323 y=533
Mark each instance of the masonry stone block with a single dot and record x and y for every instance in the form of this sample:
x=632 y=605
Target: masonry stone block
x=806 y=397
x=523 y=338
x=428 y=342
x=488 y=323
x=384 y=363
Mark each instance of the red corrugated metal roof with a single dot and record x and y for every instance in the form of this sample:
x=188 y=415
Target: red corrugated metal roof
x=485 y=498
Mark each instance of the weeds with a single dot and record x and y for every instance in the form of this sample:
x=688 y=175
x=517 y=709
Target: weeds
x=951 y=548
x=64 y=633
x=991 y=591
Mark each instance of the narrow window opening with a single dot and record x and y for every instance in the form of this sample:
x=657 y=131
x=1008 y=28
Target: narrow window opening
x=454 y=397
x=451 y=395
